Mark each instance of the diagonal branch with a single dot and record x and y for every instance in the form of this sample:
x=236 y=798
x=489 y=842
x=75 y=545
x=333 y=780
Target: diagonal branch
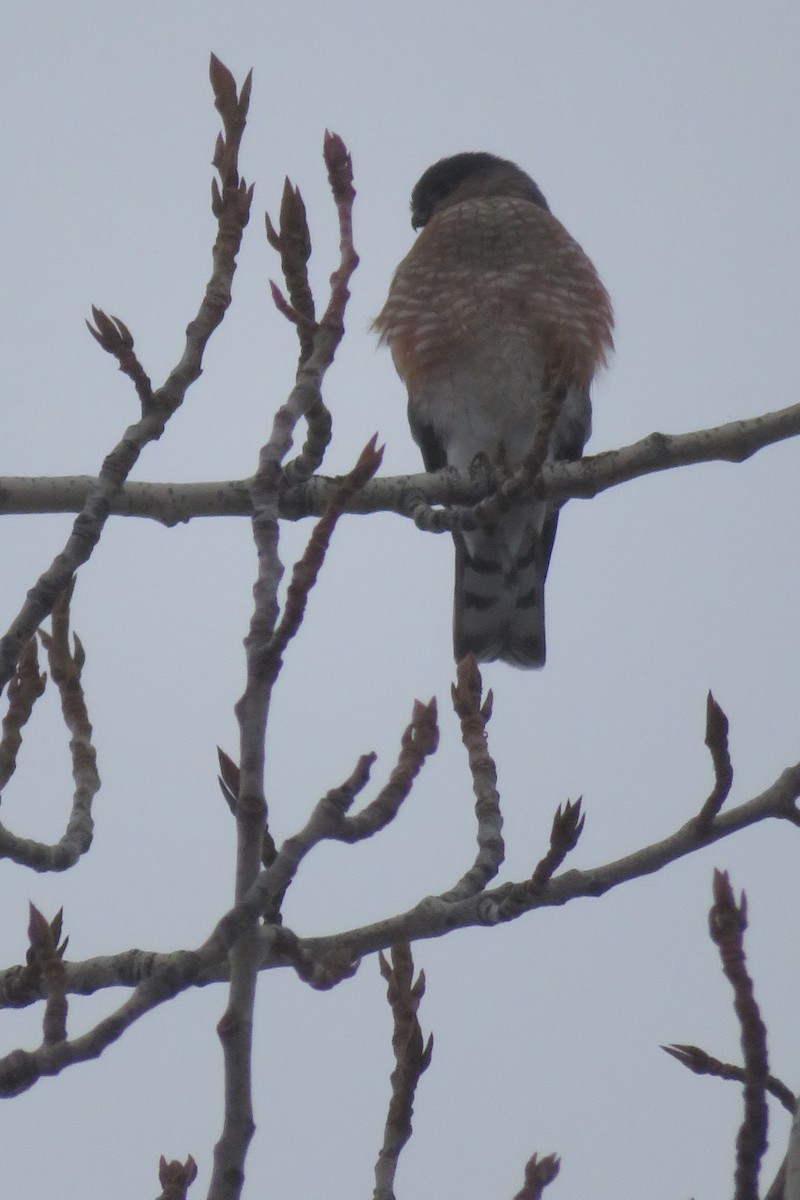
x=307 y=569
x=231 y=207
x=434 y=916
x=329 y=820
x=431 y=918
x=703 y=1064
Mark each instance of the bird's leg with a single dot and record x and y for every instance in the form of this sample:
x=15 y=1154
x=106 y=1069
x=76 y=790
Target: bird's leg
x=481 y=471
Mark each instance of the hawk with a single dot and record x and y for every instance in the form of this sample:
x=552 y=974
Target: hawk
x=496 y=319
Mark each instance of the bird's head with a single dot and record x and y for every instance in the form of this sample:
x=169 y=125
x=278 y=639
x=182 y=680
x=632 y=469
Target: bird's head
x=466 y=176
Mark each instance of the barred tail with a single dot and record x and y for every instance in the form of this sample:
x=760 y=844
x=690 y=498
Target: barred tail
x=498 y=610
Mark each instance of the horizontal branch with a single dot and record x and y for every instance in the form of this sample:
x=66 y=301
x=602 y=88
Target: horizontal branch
x=173 y=503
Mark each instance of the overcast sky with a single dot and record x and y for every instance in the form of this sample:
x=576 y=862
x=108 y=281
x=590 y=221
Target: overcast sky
x=665 y=139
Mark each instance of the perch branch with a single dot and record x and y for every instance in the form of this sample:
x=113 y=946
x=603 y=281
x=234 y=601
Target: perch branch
x=410 y=496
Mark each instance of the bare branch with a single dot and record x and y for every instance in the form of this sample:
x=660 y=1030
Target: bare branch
x=703 y=1064
x=263 y=645
x=265 y=489
x=65 y=668
x=538 y=1173
x=419 y=741
x=474 y=717
x=409 y=496
x=432 y=917
x=411 y=1056
x=329 y=821
x=232 y=208
x=727 y=922
x=20 y=1069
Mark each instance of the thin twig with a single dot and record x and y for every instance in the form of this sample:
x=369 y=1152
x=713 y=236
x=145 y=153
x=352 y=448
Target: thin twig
x=115 y=338
x=703 y=1064
x=727 y=922
x=412 y=1058
x=307 y=569
x=717 y=742
x=474 y=717
x=65 y=668
x=293 y=243
x=330 y=330
x=565 y=831
x=329 y=820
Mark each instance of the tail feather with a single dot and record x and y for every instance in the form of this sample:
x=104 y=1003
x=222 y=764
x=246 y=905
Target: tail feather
x=498 y=611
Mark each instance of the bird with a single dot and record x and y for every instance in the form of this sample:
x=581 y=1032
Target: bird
x=497 y=322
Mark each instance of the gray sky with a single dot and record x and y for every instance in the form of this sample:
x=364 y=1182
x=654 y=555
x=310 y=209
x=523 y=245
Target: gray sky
x=665 y=139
